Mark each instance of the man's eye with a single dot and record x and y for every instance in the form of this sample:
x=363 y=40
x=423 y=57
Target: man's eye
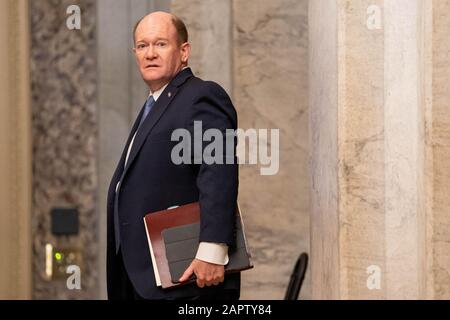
x=141 y=46
x=161 y=44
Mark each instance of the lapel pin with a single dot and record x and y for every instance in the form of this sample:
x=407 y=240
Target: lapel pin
x=169 y=94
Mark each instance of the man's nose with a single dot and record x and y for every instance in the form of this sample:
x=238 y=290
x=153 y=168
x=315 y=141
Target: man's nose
x=150 y=53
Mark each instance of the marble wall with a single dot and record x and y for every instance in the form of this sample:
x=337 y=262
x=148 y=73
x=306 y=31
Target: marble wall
x=65 y=143
x=270 y=85
x=209 y=27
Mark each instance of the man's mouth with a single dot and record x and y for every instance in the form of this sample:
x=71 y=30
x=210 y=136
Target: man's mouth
x=151 y=66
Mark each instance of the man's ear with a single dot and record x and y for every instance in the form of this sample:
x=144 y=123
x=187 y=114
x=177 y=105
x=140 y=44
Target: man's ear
x=185 y=52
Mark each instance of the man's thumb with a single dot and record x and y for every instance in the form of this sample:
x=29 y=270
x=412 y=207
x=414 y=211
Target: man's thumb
x=187 y=274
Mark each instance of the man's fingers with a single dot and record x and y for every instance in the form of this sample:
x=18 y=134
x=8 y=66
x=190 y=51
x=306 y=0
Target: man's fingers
x=213 y=281
x=218 y=281
x=207 y=274
x=204 y=280
x=200 y=283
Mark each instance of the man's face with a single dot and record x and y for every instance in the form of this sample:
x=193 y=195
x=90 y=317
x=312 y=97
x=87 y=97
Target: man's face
x=158 y=54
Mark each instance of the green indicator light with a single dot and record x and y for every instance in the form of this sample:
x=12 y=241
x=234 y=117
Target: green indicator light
x=58 y=256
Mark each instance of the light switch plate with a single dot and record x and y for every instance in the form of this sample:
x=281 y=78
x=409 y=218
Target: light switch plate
x=59 y=258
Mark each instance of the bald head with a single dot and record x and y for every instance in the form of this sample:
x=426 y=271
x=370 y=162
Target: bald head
x=166 y=18
x=161 y=48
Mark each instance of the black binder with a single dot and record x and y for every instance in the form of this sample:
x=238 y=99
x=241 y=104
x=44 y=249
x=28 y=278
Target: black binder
x=181 y=245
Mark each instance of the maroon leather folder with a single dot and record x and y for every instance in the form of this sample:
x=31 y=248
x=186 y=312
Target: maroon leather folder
x=167 y=222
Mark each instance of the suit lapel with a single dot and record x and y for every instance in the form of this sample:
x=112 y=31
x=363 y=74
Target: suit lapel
x=119 y=169
x=155 y=114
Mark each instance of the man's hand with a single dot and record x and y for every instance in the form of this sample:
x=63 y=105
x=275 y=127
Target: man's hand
x=207 y=273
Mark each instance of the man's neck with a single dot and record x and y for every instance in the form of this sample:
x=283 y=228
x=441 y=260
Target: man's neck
x=165 y=84
x=152 y=90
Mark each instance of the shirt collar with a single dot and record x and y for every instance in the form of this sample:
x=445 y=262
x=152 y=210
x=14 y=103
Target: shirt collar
x=158 y=92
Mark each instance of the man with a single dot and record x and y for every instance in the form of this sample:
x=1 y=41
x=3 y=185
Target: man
x=146 y=179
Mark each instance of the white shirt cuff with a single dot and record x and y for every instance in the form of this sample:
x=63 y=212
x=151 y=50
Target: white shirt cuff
x=211 y=252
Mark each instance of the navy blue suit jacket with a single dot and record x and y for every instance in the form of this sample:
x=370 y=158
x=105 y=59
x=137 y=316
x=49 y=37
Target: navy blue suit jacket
x=152 y=182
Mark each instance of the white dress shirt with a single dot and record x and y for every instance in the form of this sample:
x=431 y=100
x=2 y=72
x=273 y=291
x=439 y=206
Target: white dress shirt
x=211 y=252
x=155 y=95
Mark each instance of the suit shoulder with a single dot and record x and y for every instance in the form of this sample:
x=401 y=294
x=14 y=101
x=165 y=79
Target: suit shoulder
x=208 y=88
x=211 y=97
x=215 y=88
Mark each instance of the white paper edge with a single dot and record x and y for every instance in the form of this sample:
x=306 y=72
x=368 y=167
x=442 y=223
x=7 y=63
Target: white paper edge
x=155 y=267
x=247 y=248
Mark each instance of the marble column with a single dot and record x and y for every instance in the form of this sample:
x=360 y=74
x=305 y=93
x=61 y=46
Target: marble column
x=377 y=87
x=15 y=152
x=65 y=131
x=437 y=129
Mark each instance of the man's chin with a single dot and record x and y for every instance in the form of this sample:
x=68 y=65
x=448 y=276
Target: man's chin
x=151 y=77
x=154 y=83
